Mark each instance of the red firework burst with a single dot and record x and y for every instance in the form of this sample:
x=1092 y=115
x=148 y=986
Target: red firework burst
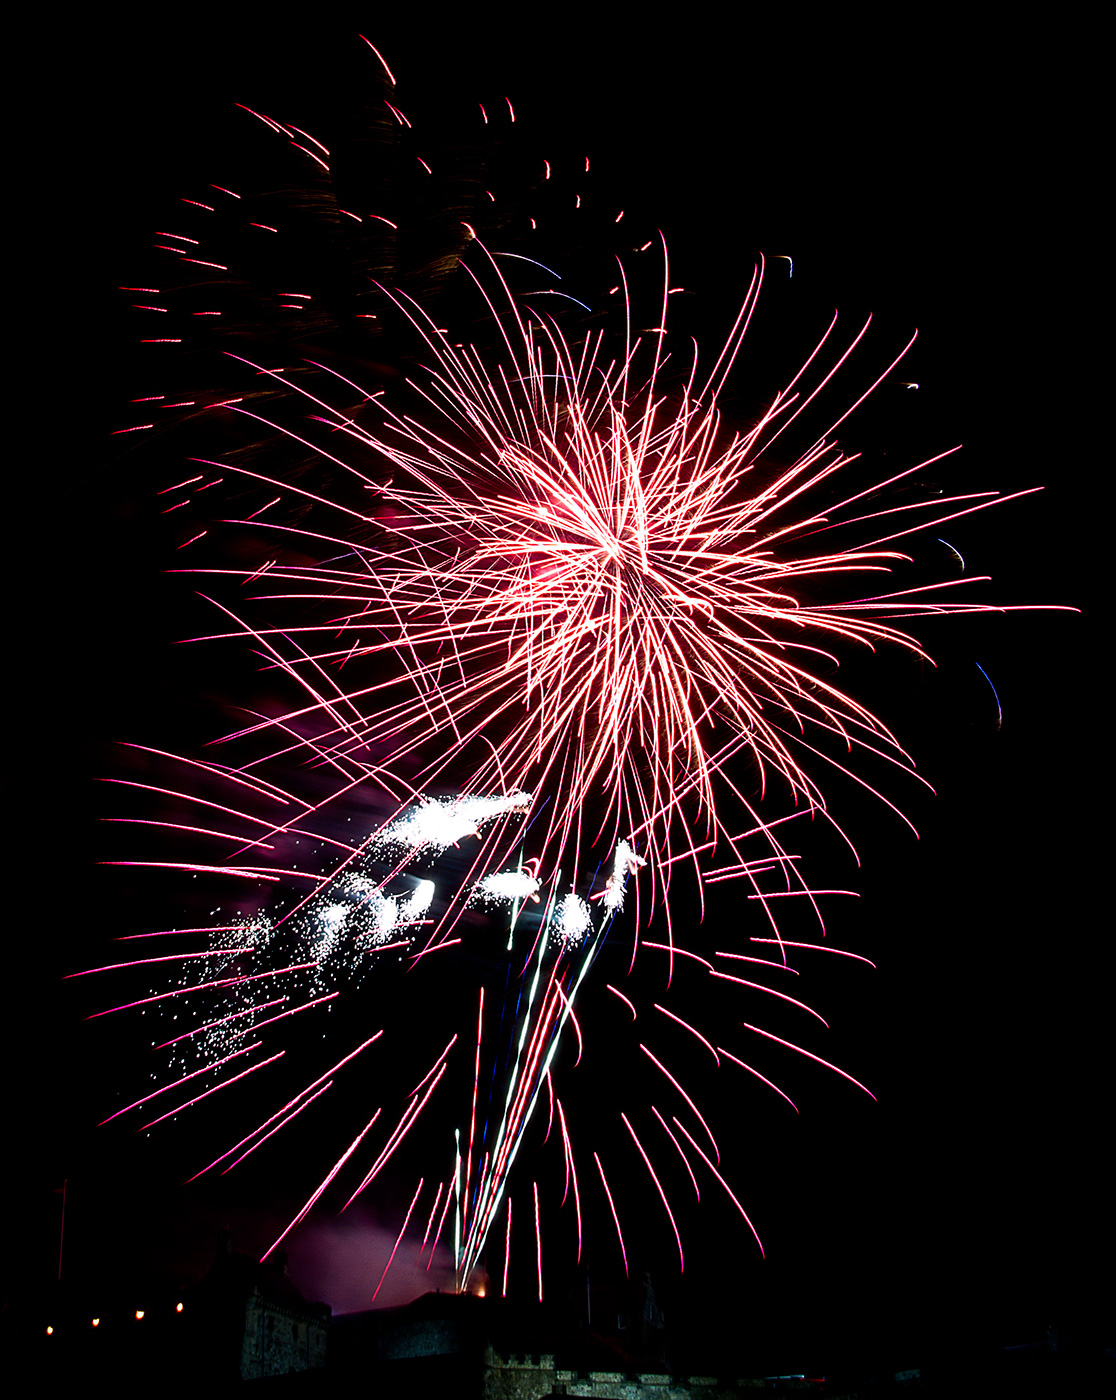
x=571 y=595
x=596 y=591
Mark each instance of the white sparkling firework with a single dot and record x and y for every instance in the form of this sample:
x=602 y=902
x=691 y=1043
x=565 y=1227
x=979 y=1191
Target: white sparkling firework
x=506 y=887
x=437 y=823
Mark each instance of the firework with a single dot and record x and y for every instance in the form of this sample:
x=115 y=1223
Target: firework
x=564 y=629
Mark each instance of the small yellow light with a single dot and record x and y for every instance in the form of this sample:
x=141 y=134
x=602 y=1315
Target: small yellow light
x=50 y=1331
x=139 y=1314
x=96 y=1322
x=178 y=1307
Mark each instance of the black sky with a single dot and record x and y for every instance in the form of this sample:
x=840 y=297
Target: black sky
x=926 y=175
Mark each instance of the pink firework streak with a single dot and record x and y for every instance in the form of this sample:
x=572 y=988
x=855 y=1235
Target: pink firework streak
x=572 y=597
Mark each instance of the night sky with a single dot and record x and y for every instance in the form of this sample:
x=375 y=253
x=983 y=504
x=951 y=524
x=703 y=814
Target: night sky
x=933 y=182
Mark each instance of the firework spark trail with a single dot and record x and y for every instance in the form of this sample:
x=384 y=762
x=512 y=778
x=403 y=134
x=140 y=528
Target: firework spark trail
x=305 y=1211
x=165 y=1088
x=430 y=1222
x=612 y=1208
x=216 y=1088
x=306 y=1102
x=737 y=1061
x=441 y=1224
x=402 y=1128
x=541 y=1032
x=658 y=1187
x=571 y=1174
x=592 y=597
x=678 y=1146
x=538 y=1239
x=692 y=1106
x=507 y=1251
x=290 y=1104
x=399 y=1240
x=721 y=1179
